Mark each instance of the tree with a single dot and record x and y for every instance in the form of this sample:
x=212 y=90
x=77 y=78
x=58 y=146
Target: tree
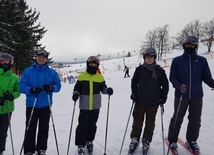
x=20 y=35
x=208 y=34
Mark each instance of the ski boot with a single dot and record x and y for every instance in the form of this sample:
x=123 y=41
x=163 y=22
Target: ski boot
x=174 y=148
x=29 y=153
x=132 y=146
x=146 y=145
x=1 y=153
x=81 y=150
x=193 y=147
x=41 y=152
x=90 y=146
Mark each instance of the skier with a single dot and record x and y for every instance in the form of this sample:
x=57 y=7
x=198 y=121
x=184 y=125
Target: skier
x=149 y=88
x=186 y=75
x=9 y=90
x=126 y=70
x=38 y=82
x=88 y=87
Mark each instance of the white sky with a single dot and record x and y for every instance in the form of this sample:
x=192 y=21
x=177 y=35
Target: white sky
x=87 y=27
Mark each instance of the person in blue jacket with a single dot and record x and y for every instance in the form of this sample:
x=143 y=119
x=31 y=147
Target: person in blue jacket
x=38 y=82
x=186 y=75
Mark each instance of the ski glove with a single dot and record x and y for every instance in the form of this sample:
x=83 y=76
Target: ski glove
x=183 y=88
x=35 y=90
x=2 y=99
x=110 y=91
x=75 y=97
x=48 y=88
x=133 y=98
x=8 y=96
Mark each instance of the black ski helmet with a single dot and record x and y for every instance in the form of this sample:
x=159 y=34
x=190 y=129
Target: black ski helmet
x=6 y=56
x=150 y=52
x=192 y=40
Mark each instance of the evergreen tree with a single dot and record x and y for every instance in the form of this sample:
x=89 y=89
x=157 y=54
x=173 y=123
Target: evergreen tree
x=20 y=34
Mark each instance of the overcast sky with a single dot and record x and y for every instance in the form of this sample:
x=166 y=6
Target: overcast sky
x=79 y=28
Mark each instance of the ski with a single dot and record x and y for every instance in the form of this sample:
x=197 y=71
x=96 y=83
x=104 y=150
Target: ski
x=182 y=143
x=173 y=152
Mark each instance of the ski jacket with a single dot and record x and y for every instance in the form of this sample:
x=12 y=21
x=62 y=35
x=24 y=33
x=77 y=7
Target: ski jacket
x=8 y=82
x=89 y=87
x=190 y=70
x=36 y=76
x=147 y=90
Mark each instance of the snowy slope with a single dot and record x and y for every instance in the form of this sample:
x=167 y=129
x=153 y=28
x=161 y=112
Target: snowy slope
x=120 y=105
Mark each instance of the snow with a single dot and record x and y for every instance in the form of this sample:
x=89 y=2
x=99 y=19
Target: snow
x=120 y=105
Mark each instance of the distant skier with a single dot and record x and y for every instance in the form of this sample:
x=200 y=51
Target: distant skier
x=9 y=90
x=88 y=87
x=126 y=70
x=149 y=87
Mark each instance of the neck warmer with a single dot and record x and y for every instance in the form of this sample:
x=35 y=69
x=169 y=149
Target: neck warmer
x=151 y=67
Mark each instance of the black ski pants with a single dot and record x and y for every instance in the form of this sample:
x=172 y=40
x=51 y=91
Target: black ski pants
x=4 y=123
x=194 y=107
x=41 y=116
x=141 y=113
x=86 y=129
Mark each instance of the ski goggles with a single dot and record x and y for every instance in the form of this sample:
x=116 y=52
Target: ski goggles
x=190 y=41
x=42 y=52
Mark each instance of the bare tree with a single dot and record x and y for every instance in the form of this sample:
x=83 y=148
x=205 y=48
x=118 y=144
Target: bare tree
x=208 y=33
x=162 y=41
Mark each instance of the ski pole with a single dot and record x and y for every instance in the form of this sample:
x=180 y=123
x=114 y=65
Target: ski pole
x=72 y=120
x=126 y=127
x=162 y=111
x=176 y=117
x=9 y=124
x=107 y=124
x=50 y=107
x=29 y=121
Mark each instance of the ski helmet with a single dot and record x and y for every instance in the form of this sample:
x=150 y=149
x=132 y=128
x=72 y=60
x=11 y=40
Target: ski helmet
x=150 y=52
x=42 y=52
x=93 y=59
x=191 y=40
x=6 y=56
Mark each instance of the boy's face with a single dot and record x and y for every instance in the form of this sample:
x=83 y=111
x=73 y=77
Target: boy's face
x=41 y=59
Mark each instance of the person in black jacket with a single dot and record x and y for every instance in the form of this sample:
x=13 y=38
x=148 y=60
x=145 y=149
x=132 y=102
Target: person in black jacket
x=186 y=75
x=149 y=87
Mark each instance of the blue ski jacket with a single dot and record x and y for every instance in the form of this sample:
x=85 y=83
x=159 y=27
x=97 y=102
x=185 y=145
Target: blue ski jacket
x=36 y=76
x=190 y=70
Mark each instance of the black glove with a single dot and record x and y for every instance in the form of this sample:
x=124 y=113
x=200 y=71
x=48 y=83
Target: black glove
x=162 y=101
x=133 y=97
x=183 y=88
x=8 y=96
x=35 y=90
x=2 y=99
x=110 y=91
x=48 y=88
x=75 y=97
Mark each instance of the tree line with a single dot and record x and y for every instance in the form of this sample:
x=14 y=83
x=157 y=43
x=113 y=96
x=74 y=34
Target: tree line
x=159 y=38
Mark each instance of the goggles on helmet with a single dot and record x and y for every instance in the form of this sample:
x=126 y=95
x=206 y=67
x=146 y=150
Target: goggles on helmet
x=93 y=59
x=190 y=41
x=42 y=52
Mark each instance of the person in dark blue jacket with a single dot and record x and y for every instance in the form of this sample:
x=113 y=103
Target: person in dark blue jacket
x=38 y=82
x=186 y=75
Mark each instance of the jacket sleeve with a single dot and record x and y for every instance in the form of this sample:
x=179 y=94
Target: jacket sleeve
x=207 y=76
x=56 y=82
x=134 y=81
x=173 y=74
x=164 y=85
x=16 y=91
x=24 y=84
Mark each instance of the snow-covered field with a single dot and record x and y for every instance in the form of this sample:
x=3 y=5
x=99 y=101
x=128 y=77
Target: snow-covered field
x=120 y=105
